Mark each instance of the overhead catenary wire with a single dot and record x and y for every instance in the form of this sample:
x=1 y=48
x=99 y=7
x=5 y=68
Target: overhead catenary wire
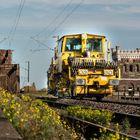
x=66 y=17
x=21 y=66
x=24 y=80
x=3 y=39
x=55 y=19
x=24 y=68
x=47 y=27
x=18 y=16
x=43 y=44
x=11 y=31
x=60 y=24
x=36 y=50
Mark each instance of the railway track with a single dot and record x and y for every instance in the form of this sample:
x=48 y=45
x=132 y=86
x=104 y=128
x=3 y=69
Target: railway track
x=128 y=107
x=90 y=129
x=123 y=110
x=119 y=117
x=111 y=99
x=117 y=101
x=106 y=105
x=118 y=114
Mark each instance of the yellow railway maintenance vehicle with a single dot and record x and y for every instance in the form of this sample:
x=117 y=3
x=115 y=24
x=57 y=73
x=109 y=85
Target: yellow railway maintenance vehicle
x=79 y=67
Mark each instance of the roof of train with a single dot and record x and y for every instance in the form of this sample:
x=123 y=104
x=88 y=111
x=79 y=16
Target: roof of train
x=81 y=34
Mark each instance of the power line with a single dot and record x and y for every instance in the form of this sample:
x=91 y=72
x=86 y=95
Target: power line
x=24 y=68
x=43 y=44
x=24 y=80
x=14 y=28
x=54 y=20
x=3 y=40
x=37 y=50
x=16 y=18
x=20 y=66
x=66 y=17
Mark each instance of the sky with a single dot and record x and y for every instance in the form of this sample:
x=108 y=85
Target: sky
x=30 y=32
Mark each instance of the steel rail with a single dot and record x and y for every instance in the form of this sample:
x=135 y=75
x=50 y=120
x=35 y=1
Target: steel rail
x=119 y=117
x=121 y=102
x=92 y=127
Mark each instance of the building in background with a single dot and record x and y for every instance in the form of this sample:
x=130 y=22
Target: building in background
x=129 y=61
x=9 y=73
x=29 y=89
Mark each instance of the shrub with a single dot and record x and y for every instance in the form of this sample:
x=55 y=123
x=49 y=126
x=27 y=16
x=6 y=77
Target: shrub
x=126 y=125
x=95 y=116
x=111 y=136
x=33 y=119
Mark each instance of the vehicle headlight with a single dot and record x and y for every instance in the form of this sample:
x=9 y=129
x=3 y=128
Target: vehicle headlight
x=80 y=81
x=108 y=72
x=83 y=72
x=114 y=82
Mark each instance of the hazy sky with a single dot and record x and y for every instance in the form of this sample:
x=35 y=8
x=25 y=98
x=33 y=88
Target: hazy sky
x=119 y=20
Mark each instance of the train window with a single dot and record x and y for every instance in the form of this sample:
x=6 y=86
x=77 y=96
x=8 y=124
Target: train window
x=94 y=45
x=73 y=44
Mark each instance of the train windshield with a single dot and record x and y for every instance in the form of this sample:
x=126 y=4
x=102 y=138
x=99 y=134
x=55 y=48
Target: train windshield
x=73 y=44
x=94 y=45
